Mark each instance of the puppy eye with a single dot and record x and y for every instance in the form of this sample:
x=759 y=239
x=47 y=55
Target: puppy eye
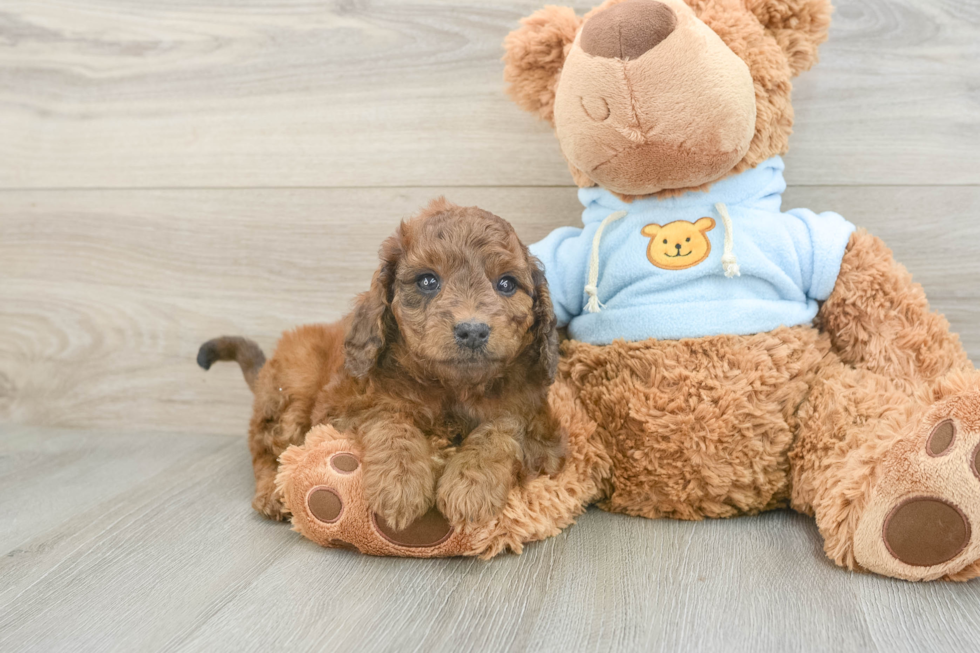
x=507 y=285
x=427 y=283
x=665 y=241
x=688 y=240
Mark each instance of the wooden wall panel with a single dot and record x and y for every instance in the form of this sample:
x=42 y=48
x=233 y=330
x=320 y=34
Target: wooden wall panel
x=105 y=296
x=202 y=93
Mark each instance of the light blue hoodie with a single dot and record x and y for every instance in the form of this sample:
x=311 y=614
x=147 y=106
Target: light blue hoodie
x=670 y=284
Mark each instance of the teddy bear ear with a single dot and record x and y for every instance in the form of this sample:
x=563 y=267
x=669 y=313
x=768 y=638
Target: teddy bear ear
x=799 y=27
x=535 y=53
x=705 y=224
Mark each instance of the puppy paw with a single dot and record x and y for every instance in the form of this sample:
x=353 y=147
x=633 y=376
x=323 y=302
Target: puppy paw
x=397 y=506
x=268 y=504
x=923 y=512
x=542 y=458
x=323 y=484
x=400 y=499
x=472 y=493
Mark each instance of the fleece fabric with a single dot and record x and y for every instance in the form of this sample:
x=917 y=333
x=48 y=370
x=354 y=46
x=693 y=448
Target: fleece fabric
x=660 y=272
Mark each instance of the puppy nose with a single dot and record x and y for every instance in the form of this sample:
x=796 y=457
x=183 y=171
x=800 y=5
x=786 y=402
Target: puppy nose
x=628 y=30
x=472 y=335
x=678 y=246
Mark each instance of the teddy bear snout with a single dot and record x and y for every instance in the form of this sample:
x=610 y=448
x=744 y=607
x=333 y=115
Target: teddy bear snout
x=628 y=30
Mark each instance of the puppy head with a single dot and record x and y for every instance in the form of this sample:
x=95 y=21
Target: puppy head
x=457 y=298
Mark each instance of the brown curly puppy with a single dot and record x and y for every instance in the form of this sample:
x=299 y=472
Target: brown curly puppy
x=440 y=373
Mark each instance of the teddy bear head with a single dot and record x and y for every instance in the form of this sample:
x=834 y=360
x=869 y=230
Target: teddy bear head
x=658 y=97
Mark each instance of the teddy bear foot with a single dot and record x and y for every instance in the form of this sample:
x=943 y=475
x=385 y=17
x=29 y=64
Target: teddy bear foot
x=922 y=521
x=321 y=485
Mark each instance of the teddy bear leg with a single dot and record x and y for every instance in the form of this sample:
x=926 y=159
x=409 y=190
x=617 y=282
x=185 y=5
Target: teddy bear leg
x=879 y=320
x=321 y=483
x=893 y=482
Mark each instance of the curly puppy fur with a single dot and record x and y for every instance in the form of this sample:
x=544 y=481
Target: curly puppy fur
x=439 y=419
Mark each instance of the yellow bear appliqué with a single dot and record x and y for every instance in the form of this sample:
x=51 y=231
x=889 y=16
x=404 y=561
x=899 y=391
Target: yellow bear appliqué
x=679 y=245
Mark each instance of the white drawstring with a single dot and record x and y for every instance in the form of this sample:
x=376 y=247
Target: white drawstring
x=728 y=261
x=593 y=305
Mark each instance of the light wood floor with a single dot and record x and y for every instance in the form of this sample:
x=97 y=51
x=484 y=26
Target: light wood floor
x=179 y=169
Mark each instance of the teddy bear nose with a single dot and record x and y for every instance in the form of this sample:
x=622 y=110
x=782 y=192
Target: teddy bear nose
x=627 y=30
x=678 y=246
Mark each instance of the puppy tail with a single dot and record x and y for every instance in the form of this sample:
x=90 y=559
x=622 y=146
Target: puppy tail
x=233 y=348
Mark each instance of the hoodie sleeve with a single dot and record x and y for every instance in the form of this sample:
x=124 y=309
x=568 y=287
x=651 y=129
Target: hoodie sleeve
x=564 y=254
x=829 y=236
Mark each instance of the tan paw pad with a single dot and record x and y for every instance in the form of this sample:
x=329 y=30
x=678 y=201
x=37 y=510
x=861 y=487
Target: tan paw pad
x=941 y=439
x=431 y=529
x=975 y=462
x=926 y=531
x=344 y=463
x=324 y=504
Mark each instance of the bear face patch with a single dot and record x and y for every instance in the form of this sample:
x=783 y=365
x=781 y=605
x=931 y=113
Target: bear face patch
x=678 y=245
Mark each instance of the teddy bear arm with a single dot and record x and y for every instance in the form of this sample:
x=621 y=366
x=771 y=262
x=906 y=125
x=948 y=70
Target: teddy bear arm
x=564 y=254
x=880 y=320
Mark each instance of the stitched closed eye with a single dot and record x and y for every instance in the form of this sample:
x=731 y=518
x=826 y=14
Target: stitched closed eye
x=595 y=108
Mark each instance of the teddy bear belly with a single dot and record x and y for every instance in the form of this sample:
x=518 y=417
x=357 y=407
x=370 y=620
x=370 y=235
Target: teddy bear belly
x=696 y=428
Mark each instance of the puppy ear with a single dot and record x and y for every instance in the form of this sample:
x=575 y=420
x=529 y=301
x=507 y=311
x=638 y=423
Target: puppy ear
x=371 y=322
x=535 y=53
x=545 y=324
x=799 y=27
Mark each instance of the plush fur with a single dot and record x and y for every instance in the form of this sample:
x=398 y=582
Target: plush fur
x=775 y=39
x=734 y=425
x=436 y=419
x=868 y=420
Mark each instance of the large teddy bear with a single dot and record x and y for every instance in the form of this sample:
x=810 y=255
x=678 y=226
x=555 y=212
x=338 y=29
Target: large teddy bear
x=725 y=357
